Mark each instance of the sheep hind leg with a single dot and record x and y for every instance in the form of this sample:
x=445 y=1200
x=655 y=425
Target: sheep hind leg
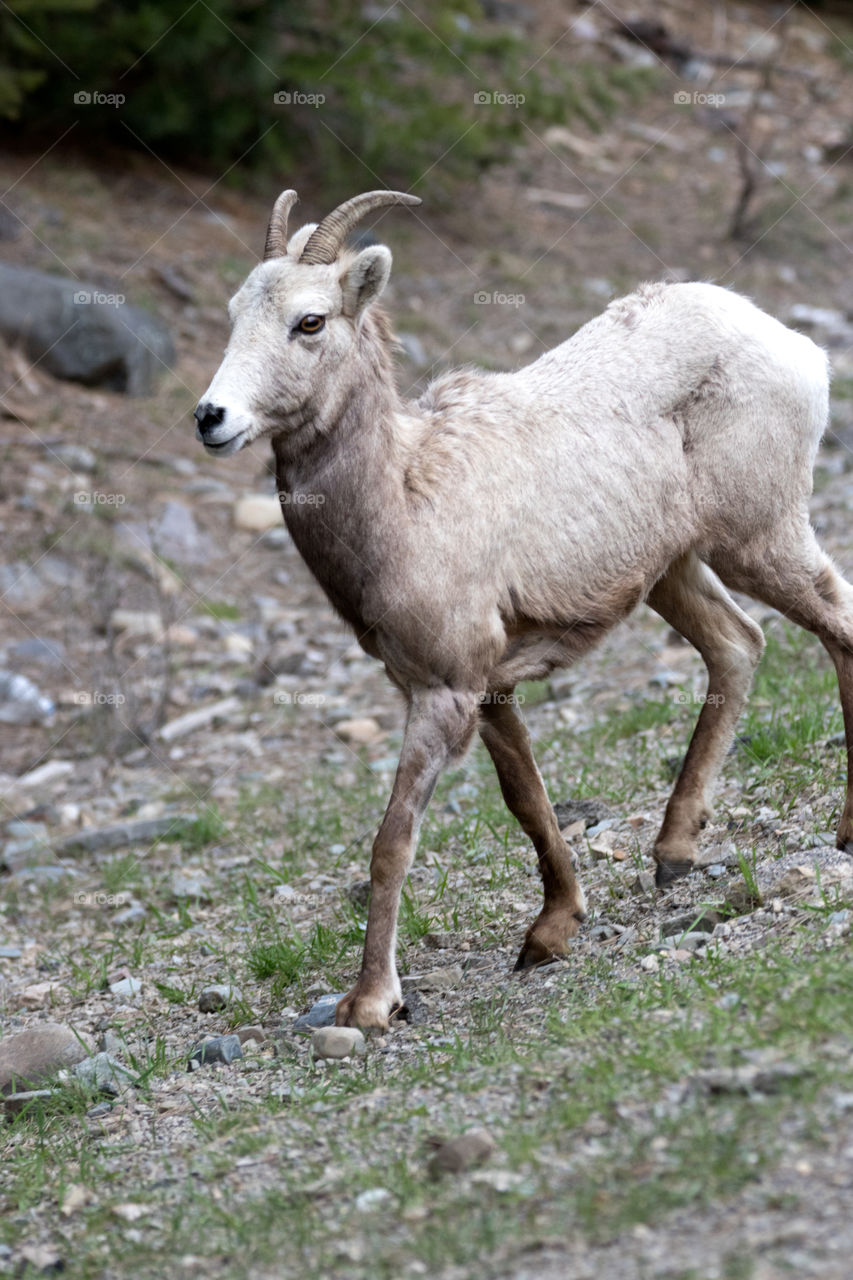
x=508 y=743
x=693 y=601
x=795 y=576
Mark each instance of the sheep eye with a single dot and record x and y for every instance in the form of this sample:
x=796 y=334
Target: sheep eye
x=311 y=324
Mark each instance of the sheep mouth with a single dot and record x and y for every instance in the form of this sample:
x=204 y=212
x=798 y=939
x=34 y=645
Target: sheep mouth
x=225 y=447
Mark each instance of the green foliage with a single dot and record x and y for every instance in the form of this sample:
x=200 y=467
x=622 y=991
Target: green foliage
x=355 y=100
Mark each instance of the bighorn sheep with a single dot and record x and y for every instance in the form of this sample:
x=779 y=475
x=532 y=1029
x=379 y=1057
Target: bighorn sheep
x=497 y=527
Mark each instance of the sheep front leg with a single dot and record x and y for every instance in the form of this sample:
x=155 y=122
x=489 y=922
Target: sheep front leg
x=439 y=728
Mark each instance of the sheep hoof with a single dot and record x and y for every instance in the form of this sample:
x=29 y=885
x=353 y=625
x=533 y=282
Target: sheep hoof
x=667 y=872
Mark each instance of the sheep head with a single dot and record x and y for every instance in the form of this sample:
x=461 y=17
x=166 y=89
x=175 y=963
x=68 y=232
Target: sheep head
x=294 y=324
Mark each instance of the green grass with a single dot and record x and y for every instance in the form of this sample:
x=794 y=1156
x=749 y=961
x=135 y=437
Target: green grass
x=581 y=1094
x=221 y=610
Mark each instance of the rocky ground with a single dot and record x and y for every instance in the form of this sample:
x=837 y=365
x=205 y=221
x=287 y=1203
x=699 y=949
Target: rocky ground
x=196 y=755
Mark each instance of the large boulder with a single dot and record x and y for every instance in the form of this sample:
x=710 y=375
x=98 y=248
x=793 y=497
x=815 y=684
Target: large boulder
x=82 y=332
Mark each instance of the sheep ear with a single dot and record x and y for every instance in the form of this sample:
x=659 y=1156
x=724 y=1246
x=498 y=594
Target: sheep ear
x=365 y=278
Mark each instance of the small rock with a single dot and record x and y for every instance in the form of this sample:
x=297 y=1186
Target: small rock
x=43 y=1258
x=602 y=846
x=103 y=1074
x=214 y=998
x=31 y=1056
x=702 y=921
x=131 y=914
x=75 y=456
x=337 y=1042
x=361 y=731
x=651 y=964
x=321 y=1013
x=257 y=512
x=39 y=650
x=126 y=988
x=767 y=1078
x=715 y=871
x=590 y=811
x=15 y=1103
x=76 y=1197
x=190 y=885
x=218 y=1049
x=643 y=883
x=687 y=942
x=373 y=1198
x=121 y=834
x=41 y=993
x=10 y=953
x=444 y=979
x=465 y=1152
x=21 y=702
x=43 y=874
x=135 y=622
x=605 y=825
x=255 y=1033
x=44 y=774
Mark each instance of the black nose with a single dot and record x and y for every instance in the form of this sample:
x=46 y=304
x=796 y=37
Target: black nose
x=208 y=416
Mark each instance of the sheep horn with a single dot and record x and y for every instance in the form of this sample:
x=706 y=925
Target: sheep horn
x=276 y=243
x=326 y=240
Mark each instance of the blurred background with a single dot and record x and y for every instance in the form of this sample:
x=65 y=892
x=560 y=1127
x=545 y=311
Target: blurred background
x=563 y=151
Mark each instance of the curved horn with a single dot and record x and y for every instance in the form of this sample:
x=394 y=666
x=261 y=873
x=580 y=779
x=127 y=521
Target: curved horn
x=325 y=242
x=276 y=243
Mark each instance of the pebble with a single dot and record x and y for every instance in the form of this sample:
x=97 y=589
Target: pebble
x=337 y=1042
x=643 y=883
x=31 y=1056
x=256 y=1033
x=591 y=811
x=373 y=1198
x=126 y=988
x=41 y=993
x=361 y=731
x=21 y=702
x=103 y=1074
x=444 y=979
x=686 y=941
x=218 y=1049
x=321 y=1013
x=190 y=885
x=651 y=964
x=214 y=998
x=715 y=871
x=10 y=953
x=15 y=1103
x=466 y=1151
x=257 y=512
